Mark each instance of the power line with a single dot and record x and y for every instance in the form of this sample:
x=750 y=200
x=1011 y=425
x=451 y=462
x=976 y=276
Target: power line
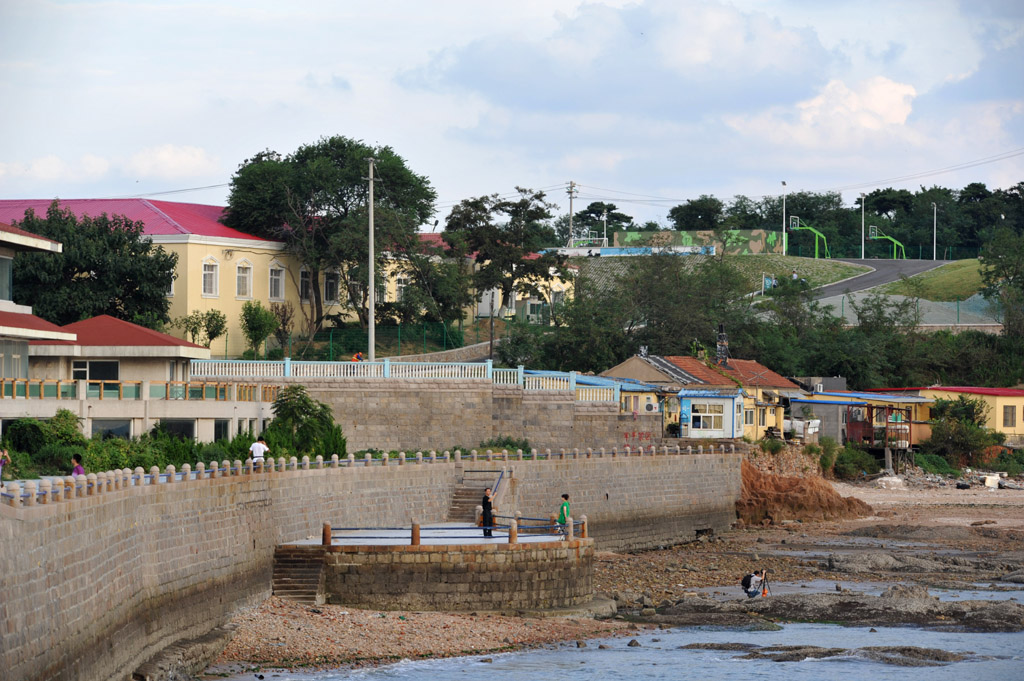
x=169 y=191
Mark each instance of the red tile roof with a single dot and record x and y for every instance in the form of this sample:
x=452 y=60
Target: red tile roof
x=105 y=330
x=161 y=218
x=746 y=371
x=971 y=390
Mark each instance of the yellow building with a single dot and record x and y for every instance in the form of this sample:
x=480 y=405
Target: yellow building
x=220 y=268
x=1004 y=407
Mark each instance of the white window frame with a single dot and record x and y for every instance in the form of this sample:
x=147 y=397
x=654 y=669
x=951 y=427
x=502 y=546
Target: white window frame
x=212 y=262
x=170 y=287
x=748 y=417
x=762 y=417
x=276 y=266
x=707 y=416
x=402 y=282
x=1011 y=411
x=247 y=293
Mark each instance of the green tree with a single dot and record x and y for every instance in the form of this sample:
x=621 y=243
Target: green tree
x=202 y=327
x=504 y=236
x=303 y=424
x=958 y=431
x=1002 y=272
x=106 y=267
x=704 y=212
x=257 y=323
x=316 y=201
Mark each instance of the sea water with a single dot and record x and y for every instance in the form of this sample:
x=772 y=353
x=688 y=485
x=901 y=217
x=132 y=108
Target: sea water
x=659 y=657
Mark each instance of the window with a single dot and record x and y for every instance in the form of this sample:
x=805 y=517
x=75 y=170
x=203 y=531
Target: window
x=1009 y=416
x=221 y=429
x=331 y=287
x=761 y=417
x=355 y=293
x=305 y=286
x=6 y=278
x=276 y=282
x=748 y=417
x=108 y=428
x=186 y=428
x=98 y=370
x=170 y=285
x=706 y=416
x=211 y=274
x=243 y=280
x=401 y=282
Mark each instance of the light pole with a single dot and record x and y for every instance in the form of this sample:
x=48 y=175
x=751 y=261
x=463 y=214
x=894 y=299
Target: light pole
x=371 y=301
x=785 y=249
x=935 y=221
x=862 y=225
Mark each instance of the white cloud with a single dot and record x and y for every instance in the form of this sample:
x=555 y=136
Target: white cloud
x=52 y=168
x=839 y=117
x=171 y=162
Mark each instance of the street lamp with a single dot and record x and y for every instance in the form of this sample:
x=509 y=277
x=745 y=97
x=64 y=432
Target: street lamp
x=862 y=202
x=785 y=250
x=935 y=219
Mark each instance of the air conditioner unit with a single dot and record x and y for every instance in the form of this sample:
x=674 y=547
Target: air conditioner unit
x=650 y=407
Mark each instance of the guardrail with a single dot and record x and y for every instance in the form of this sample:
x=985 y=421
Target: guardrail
x=387 y=369
x=46 y=389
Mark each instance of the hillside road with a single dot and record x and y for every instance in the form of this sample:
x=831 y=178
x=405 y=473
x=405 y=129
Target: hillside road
x=884 y=272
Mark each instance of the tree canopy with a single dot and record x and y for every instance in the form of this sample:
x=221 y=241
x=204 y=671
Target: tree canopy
x=316 y=200
x=106 y=267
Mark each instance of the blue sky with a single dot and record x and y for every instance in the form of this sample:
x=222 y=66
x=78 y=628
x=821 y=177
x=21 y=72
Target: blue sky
x=644 y=104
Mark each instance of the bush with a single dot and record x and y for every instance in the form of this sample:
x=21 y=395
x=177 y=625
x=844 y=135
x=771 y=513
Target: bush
x=1010 y=461
x=827 y=460
x=772 y=446
x=933 y=463
x=55 y=458
x=64 y=428
x=852 y=463
x=672 y=429
x=26 y=435
x=504 y=442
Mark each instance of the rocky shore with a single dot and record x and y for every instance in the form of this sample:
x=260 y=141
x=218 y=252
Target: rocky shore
x=923 y=539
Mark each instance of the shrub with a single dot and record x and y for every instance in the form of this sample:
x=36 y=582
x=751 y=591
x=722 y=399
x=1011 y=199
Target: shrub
x=827 y=460
x=504 y=442
x=772 y=446
x=63 y=428
x=26 y=435
x=1010 y=461
x=852 y=463
x=55 y=459
x=933 y=463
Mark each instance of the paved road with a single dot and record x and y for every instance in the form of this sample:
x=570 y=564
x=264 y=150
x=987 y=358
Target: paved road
x=884 y=272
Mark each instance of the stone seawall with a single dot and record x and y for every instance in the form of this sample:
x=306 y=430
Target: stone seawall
x=424 y=414
x=497 y=576
x=91 y=588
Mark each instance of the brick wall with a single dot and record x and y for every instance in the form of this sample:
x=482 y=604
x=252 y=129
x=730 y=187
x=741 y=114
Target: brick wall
x=497 y=576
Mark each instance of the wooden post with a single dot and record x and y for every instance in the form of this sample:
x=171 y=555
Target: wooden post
x=325 y=539
x=415 y=533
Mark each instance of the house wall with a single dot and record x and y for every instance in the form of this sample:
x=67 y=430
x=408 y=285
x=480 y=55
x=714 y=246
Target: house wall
x=129 y=368
x=994 y=405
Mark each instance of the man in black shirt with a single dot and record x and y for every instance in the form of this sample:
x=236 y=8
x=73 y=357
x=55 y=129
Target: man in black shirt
x=488 y=517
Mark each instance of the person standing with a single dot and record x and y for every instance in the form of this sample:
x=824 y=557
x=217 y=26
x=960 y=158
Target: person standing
x=488 y=514
x=5 y=458
x=78 y=469
x=258 y=449
x=563 y=516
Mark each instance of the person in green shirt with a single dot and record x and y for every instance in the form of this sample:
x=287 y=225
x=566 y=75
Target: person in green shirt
x=563 y=516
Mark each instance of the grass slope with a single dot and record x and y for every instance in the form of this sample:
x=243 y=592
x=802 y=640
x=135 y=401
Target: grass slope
x=955 y=281
x=816 y=272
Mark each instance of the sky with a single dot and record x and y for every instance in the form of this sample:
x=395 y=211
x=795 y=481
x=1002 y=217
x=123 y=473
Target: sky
x=643 y=104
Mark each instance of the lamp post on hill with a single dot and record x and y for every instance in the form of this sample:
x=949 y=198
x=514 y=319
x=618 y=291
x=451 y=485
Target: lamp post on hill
x=785 y=250
x=862 y=202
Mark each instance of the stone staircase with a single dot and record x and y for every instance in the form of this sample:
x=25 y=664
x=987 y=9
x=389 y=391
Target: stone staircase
x=468 y=494
x=299 y=573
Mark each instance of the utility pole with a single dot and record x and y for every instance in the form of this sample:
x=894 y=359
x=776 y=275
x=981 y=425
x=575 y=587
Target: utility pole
x=935 y=221
x=572 y=193
x=372 y=294
x=604 y=221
